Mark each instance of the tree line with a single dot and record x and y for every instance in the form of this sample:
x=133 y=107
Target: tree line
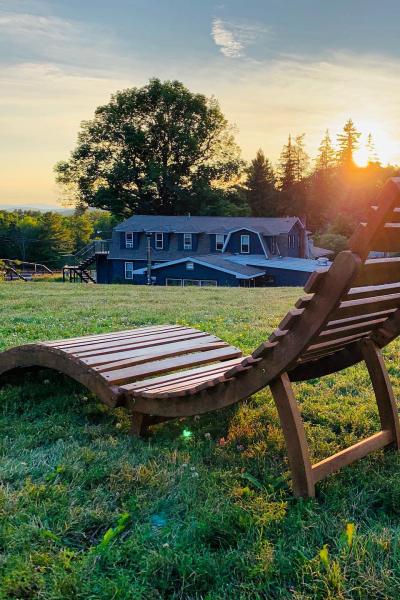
x=331 y=192
x=50 y=238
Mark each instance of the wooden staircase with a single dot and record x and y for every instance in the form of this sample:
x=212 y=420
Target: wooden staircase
x=82 y=260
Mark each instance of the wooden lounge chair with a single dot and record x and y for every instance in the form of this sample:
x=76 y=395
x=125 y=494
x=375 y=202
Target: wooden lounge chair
x=350 y=311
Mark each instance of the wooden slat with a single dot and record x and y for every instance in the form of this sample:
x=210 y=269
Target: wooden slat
x=179 y=376
x=361 y=318
x=292 y=317
x=130 y=374
x=343 y=341
x=194 y=385
x=141 y=342
x=387 y=238
x=76 y=347
x=304 y=301
x=361 y=240
x=312 y=357
x=190 y=387
x=394 y=217
x=119 y=359
x=109 y=335
x=316 y=280
x=331 y=334
x=349 y=455
x=352 y=308
x=378 y=271
x=152 y=345
x=372 y=291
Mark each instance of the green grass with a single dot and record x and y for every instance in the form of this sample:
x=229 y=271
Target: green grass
x=87 y=512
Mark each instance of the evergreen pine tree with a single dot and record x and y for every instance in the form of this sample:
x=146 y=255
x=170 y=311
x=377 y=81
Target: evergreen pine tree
x=302 y=159
x=292 y=169
x=373 y=158
x=260 y=187
x=348 y=142
x=287 y=165
x=326 y=158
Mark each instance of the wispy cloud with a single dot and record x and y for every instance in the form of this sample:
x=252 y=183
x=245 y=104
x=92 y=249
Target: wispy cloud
x=14 y=23
x=31 y=36
x=233 y=38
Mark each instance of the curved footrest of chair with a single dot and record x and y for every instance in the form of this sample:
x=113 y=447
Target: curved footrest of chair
x=115 y=366
x=40 y=355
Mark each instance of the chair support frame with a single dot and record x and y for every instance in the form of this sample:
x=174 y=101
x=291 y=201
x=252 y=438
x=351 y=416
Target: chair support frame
x=305 y=474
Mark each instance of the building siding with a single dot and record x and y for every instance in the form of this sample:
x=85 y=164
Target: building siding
x=199 y=272
x=234 y=243
x=112 y=268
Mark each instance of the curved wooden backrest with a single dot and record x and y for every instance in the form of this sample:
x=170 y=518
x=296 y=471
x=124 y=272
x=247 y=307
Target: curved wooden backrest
x=356 y=297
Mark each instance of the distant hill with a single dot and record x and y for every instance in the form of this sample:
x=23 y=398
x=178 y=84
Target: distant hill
x=38 y=207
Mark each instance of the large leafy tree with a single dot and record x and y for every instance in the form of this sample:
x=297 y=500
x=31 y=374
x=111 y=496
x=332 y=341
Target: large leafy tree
x=154 y=149
x=261 y=192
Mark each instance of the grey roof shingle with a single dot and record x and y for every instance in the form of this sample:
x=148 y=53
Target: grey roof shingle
x=217 y=261
x=186 y=224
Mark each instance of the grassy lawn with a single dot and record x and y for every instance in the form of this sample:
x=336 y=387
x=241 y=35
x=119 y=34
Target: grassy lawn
x=87 y=512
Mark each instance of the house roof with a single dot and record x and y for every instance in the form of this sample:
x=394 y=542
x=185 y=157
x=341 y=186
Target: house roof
x=213 y=261
x=317 y=252
x=306 y=265
x=189 y=224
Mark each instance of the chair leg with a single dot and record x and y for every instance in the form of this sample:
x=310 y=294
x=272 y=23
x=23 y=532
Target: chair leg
x=293 y=430
x=139 y=424
x=385 y=399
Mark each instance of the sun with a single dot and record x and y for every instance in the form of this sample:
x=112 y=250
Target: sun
x=387 y=148
x=361 y=157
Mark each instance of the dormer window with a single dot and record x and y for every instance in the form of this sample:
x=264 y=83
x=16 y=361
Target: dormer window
x=244 y=244
x=187 y=241
x=219 y=242
x=128 y=239
x=159 y=241
x=273 y=245
x=292 y=240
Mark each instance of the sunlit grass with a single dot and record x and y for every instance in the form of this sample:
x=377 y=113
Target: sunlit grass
x=204 y=509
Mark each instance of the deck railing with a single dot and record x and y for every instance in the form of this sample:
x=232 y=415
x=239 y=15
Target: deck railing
x=88 y=251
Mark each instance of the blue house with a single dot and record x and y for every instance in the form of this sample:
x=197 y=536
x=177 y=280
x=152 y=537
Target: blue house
x=209 y=251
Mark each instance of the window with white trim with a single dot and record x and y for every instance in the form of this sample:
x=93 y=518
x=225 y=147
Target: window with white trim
x=200 y=282
x=291 y=240
x=208 y=283
x=129 y=270
x=273 y=245
x=219 y=242
x=187 y=241
x=195 y=282
x=189 y=266
x=129 y=239
x=244 y=244
x=159 y=241
x=173 y=282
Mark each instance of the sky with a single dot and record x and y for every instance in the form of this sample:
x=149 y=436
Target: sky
x=276 y=67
